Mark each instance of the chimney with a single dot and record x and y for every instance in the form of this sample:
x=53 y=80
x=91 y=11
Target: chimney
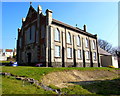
x=84 y=28
x=49 y=16
x=39 y=9
x=23 y=20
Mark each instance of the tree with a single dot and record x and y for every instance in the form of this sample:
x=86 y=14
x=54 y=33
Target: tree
x=105 y=45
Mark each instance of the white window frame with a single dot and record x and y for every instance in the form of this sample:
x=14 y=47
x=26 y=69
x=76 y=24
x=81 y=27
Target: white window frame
x=69 y=52
x=57 y=35
x=86 y=42
x=69 y=38
x=87 y=55
x=78 y=40
x=94 y=55
x=79 y=54
x=93 y=43
x=57 y=51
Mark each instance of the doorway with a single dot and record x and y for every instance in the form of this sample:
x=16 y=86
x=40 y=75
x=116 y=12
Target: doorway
x=29 y=57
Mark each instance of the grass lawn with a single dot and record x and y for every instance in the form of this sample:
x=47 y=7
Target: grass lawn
x=38 y=72
x=13 y=86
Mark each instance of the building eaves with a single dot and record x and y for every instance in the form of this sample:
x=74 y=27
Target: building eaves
x=54 y=21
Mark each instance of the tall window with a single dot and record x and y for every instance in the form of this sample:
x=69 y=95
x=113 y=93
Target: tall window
x=79 y=54
x=78 y=40
x=68 y=37
x=57 y=51
x=87 y=55
x=93 y=44
x=20 y=42
x=86 y=42
x=57 y=35
x=32 y=34
x=94 y=55
x=69 y=52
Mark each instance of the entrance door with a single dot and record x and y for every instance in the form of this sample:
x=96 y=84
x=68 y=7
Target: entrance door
x=29 y=58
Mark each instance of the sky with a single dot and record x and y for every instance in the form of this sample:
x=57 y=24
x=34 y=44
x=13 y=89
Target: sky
x=101 y=18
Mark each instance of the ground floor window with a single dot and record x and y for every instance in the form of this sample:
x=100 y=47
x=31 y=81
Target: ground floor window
x=87 y=55
x=57 y=51
x=94 y=55
x=79 y=54
x=69 y=52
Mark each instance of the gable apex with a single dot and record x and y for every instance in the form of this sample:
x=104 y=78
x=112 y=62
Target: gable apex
x=31 y=10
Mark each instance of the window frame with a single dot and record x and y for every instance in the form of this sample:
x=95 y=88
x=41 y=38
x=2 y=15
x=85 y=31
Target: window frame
x=80 y=54
x=58 y=31
x=94 y=56
x=78 y=41
x=87 y=55
x=56 y=56
x=93 y=44
x=69 y=41
x=70 y=54
x=86 y=42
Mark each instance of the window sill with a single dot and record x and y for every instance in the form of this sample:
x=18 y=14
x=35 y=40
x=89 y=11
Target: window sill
x=57 y=57
x=57 y=41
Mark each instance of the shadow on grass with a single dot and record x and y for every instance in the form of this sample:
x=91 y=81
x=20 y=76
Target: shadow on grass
x=103 y=87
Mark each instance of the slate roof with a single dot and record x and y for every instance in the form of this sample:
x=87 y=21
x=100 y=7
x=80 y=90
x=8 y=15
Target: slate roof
x=103 y=52
x=54 y=21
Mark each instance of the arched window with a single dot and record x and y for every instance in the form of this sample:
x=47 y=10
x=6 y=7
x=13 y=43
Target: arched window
x=78 y=40
x=93 y=44
x=86 y=42
x=68 y=37
x=57 y=35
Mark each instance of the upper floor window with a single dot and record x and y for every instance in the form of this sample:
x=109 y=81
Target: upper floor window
x=69 y=52
x=86 y=42
x=57 y=35
x=68 y=37
x=42 y=31
x=79 y=54
x=93 y=44
x=94 y=55
x=78 y=40
x=30 y=34
x=20 y=42
x=57 y=51
x=87 y=55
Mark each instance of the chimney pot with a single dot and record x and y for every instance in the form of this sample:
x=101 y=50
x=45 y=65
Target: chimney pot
x=84 y=28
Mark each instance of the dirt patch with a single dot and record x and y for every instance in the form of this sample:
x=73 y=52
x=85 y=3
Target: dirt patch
x=61 y=79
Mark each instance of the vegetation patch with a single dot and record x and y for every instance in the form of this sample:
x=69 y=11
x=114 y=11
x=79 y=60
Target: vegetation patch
x=12 y=86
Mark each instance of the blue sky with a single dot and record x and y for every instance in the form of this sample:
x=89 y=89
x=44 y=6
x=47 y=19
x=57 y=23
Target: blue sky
x=101 y=18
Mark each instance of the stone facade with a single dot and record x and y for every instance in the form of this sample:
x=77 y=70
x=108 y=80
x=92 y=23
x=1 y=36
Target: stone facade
x=45 y=40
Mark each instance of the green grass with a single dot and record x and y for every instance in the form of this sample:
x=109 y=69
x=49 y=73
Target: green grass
x=4 y=61
x=105 y=87
x=13 y=86
x=76 y=90
x=38 y=72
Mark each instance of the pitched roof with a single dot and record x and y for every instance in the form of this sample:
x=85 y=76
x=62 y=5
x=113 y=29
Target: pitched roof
x=103 y=52
x=8 y=50
x=54 y=21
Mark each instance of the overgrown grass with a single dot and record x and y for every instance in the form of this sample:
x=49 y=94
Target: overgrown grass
x=13 y=86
